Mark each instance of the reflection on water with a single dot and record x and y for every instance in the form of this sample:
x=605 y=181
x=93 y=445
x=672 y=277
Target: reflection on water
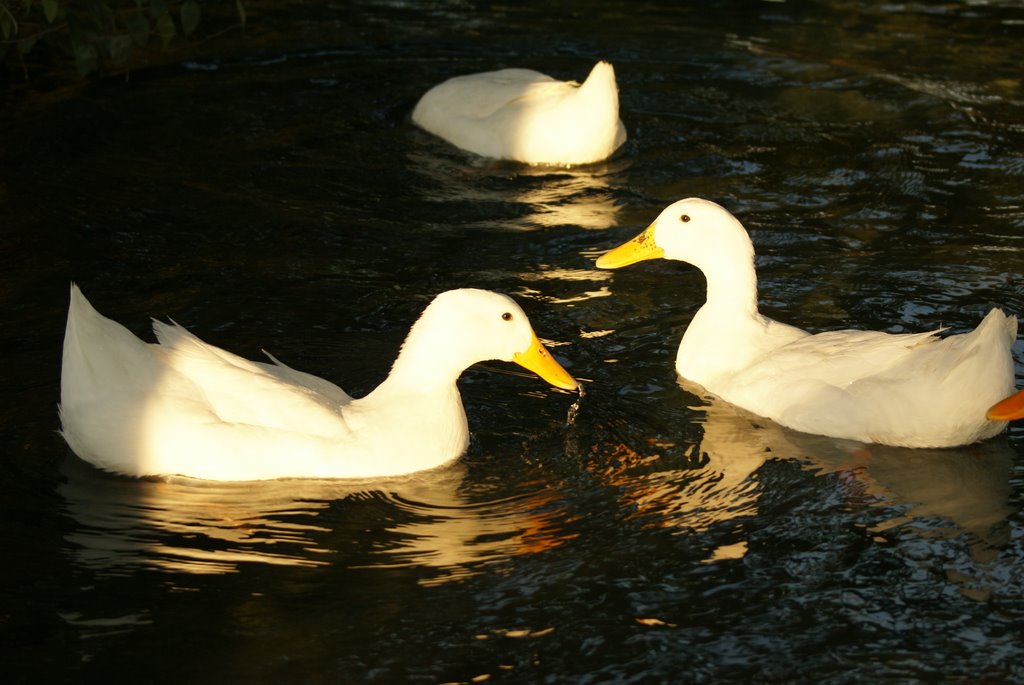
x=710 y=480
x=945 y=492
x=580 y=197
x=711 y=484
x=177 y=525
x=660 y=541
x=581 y=277
x=529 y=197
x=458 y=540
x=963 y=490
x=684 y=482
x=201 y=527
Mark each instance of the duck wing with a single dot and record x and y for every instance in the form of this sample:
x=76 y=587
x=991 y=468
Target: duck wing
x=838 y=358
x=478 y=96
x=320 y=386
x=245 y=392
x=915 y=390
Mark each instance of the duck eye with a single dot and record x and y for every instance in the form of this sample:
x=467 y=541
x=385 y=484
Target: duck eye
x=507 y=316
x=685 y=218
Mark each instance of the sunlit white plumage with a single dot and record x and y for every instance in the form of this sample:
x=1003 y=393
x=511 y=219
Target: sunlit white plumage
x=526 y=116
x=909 y=390
x=183 y=407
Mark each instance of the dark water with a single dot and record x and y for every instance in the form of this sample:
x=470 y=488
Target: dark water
x=281 y=200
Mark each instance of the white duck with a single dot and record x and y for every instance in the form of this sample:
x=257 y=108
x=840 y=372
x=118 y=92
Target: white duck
x=526 y=116
x=910 y=390
x=184 y=407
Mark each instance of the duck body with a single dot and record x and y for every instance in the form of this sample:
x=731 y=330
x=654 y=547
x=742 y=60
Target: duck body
x=526 y=116
x=908 y=390
x=181 y=406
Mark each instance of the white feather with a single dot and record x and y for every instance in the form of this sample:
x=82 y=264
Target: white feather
x=183 y=407
x=911 y=390
x=526 y=116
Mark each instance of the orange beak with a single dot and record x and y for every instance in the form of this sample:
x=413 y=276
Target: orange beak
x=536 y=358
x=1009 y=409
x=638 y=249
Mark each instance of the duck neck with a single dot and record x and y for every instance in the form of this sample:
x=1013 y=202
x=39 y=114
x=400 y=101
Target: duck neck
x=423 y=368
x=431 y=357
x=732 y=287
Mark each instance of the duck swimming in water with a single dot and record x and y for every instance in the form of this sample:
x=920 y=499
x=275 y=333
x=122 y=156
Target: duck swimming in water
x=909 y=390
x=526 y=116
x=181 y=406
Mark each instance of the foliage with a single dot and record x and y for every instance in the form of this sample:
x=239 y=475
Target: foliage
x=96 y=33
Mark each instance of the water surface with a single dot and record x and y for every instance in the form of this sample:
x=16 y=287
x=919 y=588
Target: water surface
x=280 y=199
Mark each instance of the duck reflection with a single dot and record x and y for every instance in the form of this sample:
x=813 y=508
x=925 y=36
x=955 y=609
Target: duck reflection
x=197 y=527
x=569 y=197
x=688 y=483
x=461 y=537
x=521 y=197
x=424 y=523
x=946 y=492
x=967 y=488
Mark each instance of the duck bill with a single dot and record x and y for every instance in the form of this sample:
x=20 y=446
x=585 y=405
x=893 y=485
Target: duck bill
x=1009 y=409
x=536 y=358
x=636 y=250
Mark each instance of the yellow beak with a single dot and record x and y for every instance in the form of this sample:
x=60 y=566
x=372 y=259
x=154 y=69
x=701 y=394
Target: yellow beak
x=536 y=358
x=638 y=249
x=1009 y=409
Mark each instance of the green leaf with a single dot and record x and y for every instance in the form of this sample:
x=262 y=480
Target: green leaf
x=103 y=15
x=165 y=29
x=241 y=11
x=6 y=25
x=86 y=57
x=50 y=9
x=25 y=45
x=138 y=28
x=119 y=48
x=189 y=16
x=157 y=8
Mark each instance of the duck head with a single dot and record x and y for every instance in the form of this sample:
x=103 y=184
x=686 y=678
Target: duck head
x=693 y=230
x=462 y=327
